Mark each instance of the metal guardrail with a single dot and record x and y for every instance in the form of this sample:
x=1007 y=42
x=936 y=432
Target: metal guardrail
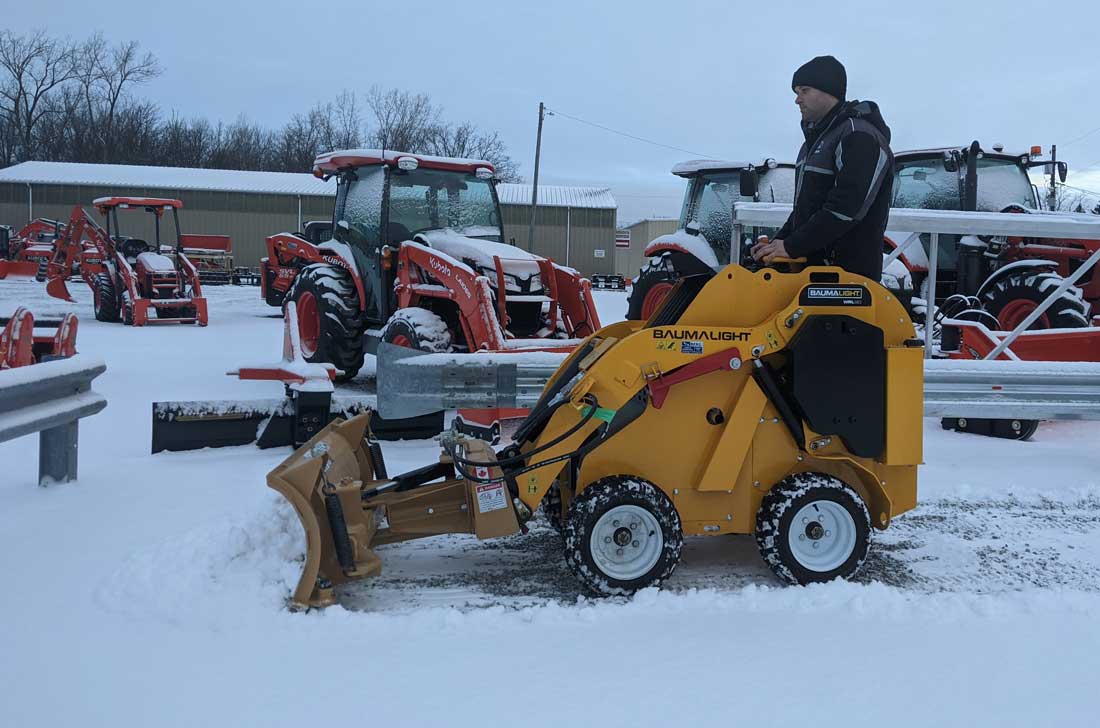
x=50 y=398
x=949 y=222
x=413 y=383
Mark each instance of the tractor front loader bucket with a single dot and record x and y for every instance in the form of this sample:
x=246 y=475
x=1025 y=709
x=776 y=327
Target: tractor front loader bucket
x=18 y=269
x=56 y=286
x=347 y=504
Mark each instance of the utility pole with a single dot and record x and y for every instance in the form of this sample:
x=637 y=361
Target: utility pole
x=535 y=186
x=1053 y=172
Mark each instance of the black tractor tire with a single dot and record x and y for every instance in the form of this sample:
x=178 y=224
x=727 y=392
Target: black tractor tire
x=638 y=516
x=826 y=499
x=336 y=333
x=657 y=275
x=1012 y=297
x=105 y=299
x=418 y=328
x=127 y=309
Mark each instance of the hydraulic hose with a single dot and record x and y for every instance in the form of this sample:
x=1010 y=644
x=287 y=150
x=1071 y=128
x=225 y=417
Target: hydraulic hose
x=460 y=461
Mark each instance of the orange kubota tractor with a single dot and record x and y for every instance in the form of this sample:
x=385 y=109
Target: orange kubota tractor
x=29 y=251
x=416 y=258
x=131 y=280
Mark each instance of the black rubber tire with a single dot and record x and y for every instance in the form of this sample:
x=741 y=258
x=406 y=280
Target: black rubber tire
x=340 y=342
x=774 y=523
x=551 y=508
x=1068 y=312
x=127 y=309
x=656 y=270
x=425 y=330
x=585 y=512
x=105 y=299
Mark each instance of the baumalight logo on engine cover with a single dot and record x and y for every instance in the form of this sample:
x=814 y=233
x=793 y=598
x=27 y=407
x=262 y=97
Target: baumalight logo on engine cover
x=834 y=296
x=701 y=335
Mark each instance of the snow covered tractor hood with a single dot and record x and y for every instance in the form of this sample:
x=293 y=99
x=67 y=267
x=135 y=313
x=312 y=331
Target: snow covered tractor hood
x=518 y=265
x=650 y=431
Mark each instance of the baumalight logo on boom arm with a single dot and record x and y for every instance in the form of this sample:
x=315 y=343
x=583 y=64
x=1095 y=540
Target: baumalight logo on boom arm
x=700 y=335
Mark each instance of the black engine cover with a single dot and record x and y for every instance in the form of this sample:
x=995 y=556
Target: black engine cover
x=836 y=376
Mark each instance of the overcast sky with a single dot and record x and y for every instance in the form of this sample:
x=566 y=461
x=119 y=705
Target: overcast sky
x=712 y=78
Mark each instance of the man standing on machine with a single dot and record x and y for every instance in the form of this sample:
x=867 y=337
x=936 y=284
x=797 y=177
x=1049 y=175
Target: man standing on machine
x=845 y=177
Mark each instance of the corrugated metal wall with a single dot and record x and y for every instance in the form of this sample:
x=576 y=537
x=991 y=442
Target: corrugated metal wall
x=629 y=260
x=246 y=217
x=590 y=231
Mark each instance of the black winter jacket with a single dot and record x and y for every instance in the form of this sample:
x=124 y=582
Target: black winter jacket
x=845 y=175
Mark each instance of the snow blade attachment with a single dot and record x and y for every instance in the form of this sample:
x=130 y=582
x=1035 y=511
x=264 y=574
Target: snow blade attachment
x=338 y=487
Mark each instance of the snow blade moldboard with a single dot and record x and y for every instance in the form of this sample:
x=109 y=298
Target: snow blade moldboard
x=181 y=426
x=347 y=505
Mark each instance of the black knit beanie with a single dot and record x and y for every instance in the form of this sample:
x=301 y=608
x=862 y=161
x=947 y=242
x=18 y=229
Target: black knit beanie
x=824 y=73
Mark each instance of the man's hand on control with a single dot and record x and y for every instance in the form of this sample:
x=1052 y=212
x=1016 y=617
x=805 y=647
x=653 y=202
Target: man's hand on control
x=767 y=250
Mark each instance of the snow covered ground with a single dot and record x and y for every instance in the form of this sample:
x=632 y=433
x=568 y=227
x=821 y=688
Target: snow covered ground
x=151 y=592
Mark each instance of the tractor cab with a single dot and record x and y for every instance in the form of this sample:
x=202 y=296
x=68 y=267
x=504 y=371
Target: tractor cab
x=136 y=249
x=713 y=188
x=703 y=240
x=388 y=199
x=961 y=178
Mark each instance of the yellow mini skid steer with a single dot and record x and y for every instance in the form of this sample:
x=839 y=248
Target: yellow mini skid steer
x=787 y=405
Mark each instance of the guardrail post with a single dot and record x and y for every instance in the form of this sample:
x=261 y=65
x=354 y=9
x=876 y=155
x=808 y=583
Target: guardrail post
x=57 y=449
x=930 y=302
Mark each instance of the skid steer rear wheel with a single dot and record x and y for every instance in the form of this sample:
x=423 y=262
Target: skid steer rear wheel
x=104 y=299
x=1015 y=296
x=622 y=534
x=330 y=323
x=812 y=527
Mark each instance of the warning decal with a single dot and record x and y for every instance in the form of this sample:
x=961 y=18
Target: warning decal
x=490 y=497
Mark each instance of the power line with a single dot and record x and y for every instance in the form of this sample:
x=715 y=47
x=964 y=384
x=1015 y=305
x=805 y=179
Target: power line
x=555 y=112
x=1083 y=136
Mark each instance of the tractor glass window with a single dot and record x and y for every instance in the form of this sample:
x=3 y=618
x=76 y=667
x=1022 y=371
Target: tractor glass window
x=715 y=206
x=432 y=199
x=1003 y=182
x=924 y=184
x=776 y=185
x=362 y=208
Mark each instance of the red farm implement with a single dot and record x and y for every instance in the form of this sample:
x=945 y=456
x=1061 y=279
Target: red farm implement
x=24 y=341
x=132 y=281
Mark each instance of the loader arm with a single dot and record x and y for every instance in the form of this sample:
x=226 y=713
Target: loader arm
x=69 y=247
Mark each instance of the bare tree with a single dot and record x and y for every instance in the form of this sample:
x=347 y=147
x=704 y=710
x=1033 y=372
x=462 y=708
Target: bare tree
x=116 y=70
x=35 y=68
x=464 y=140
x=403 y=121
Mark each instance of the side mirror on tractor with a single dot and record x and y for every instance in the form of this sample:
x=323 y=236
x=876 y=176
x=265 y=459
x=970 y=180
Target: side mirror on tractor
x=749 y=183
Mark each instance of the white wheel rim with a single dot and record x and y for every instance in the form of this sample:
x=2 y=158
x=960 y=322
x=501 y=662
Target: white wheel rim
x=626 y=542
x=822 y=535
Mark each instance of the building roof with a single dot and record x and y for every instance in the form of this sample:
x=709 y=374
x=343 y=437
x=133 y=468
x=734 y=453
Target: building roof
x=332 y=162
x=169 y=178
x=278 y=183
x=599 y=198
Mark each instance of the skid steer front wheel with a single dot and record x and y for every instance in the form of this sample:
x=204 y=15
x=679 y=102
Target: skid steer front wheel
x=812 y=527
x=622 y=534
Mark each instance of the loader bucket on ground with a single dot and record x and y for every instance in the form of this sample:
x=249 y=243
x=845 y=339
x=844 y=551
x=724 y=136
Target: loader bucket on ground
x=347 y=505
x=18 y=268
x=57 y=288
